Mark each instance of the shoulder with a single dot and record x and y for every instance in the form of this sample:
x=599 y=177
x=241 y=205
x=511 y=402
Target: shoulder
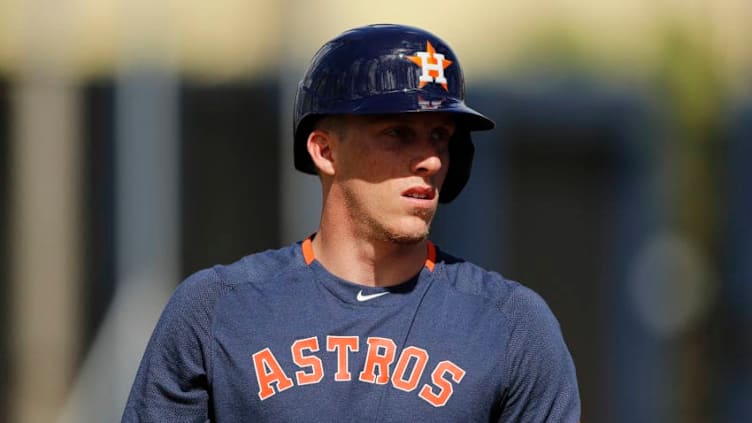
x=540 y=377
x=193 y=306
x=204 y=287
x=522 y=309
x=252 y=268
x=469 y=278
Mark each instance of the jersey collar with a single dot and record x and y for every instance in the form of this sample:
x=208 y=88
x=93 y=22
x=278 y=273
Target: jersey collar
x=309 y=257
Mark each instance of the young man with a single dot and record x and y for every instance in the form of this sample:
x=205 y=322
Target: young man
x=365 y=320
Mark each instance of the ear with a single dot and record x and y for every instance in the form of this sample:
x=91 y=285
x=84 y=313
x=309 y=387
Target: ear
x=320 y=148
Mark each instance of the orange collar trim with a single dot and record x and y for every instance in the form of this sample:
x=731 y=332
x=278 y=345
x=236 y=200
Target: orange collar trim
x=309 y=257
x=308 y=251
x=431 y=258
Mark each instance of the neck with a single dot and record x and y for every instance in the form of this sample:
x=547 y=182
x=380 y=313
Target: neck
x=368 y=262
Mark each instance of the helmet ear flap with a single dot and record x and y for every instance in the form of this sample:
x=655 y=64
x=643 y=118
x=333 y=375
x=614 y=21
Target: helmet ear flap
x=461 y=152
x=302 y=159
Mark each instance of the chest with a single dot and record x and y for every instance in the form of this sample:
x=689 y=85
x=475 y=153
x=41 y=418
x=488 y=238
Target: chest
x=312 y=359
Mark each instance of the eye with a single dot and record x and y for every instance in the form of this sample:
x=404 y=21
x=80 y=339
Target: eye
x=441 y=137
x=399 y=135
x=394 y=132
x=397 y=132
x=440 y=134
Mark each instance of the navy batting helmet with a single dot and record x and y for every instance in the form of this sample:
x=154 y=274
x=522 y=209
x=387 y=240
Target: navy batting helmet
x=384 y=69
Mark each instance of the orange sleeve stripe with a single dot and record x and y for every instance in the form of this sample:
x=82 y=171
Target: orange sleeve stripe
x=308 y=251
x=431 y=259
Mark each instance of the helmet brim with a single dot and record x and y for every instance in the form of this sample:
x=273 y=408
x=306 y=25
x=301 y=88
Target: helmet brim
x=408 y=101
x=420 y=101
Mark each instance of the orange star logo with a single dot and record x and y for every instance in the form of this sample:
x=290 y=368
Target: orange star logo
x=432 y=65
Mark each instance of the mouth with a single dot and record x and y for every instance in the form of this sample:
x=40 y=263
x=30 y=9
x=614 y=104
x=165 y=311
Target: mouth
x=420 y=193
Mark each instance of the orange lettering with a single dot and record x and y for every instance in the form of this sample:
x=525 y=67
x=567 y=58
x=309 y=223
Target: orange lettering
x=381 y=353
x=269 y=371
x=398 y=377
x=342 y=344
x=445 y=388
x=317 y=369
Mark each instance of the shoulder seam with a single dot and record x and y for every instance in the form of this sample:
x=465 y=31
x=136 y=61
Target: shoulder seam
x=512 y=291
x=229 y=287
x=210 y=366
x=249 y=279
x=512 y=328
x=497 y=303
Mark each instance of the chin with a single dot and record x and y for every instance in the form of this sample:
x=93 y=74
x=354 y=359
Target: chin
x=410 y=238
x=402 y=227
x=406 y=239
x=408 y=234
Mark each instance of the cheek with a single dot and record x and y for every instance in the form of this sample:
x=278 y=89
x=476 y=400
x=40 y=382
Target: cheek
x=375 y=166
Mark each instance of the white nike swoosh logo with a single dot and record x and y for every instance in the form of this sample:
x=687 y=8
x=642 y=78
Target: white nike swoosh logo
x=361 y=297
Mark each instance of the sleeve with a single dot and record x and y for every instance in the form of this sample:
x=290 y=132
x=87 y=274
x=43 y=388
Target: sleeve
x=173 y=380
x=542 y=382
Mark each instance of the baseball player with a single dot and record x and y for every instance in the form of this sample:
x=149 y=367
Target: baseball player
x=365 y=320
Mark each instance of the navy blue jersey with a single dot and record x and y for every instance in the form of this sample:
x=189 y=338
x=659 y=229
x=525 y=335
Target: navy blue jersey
x=275 y=337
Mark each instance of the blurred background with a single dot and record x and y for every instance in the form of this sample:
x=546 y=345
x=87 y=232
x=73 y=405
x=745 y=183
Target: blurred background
x=143 y=140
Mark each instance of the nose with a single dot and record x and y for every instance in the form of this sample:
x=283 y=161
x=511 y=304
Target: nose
x=428 y=161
